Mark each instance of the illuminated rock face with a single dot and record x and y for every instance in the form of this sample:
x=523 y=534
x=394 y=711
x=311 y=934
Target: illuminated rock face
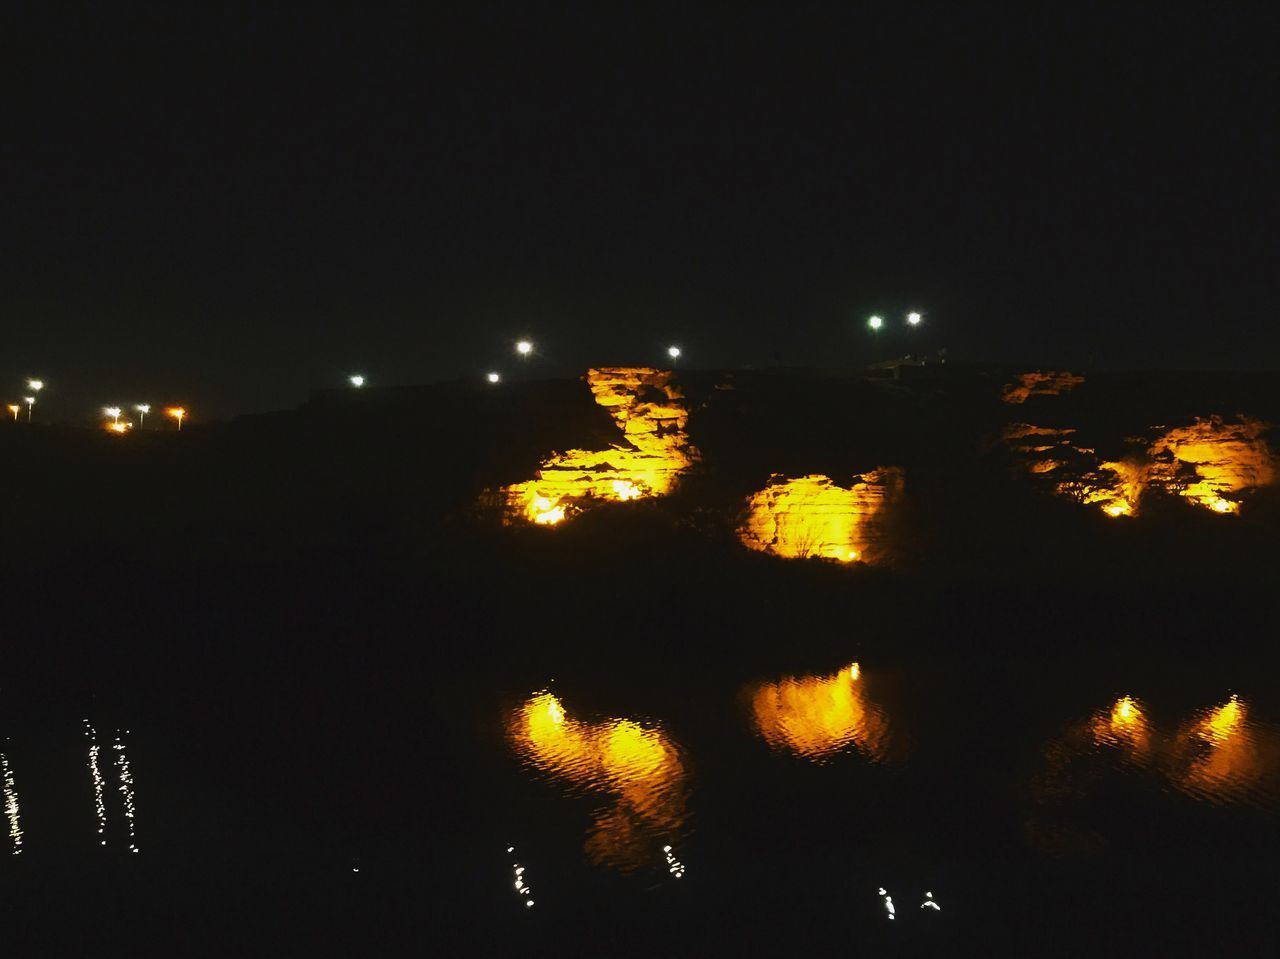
x=1226 y=458
x=813 y=517
x=1039 y=383
x=816 y=717
x=635 y=764
x=1210 y=462
x=649 y=409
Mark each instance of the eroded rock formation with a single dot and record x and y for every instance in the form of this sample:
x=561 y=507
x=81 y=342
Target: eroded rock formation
x=649 y=409
x=811 y=516
x=1210 y=462
x=1039 y=383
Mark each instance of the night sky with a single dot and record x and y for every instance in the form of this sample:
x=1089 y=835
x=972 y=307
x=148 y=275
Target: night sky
x=233 y=208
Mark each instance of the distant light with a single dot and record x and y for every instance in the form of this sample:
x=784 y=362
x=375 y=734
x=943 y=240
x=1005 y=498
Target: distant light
x=178 y=413
x=673 y=352
x=143 y=408
x=914 y=319
x=524 y=347
x=356 y=380
x=28 y=400
x=36 y=385
x=875 y=322
x=114 y=412
x=118 y=427
x=15 y=409
x=494 y=377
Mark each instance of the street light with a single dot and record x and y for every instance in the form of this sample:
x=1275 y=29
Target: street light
x=114 y=413
x=177 y=412
x=15 y=409
x=494 y=377
x=913 y=319
x=875 y=322
x=356 y=380
x=673 y=352
x=524 y=348
x=35 y=386
x=143 y=409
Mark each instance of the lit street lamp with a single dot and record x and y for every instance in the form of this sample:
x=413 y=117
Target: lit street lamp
x=356 y=380
x=35 y=386
x=913 y=319
x=524 y=348
x=15 y=409
x=494 y=377
x=143 y=409
x=673 y=352
x=875 y=322
x=177 y=412
x=114 y=413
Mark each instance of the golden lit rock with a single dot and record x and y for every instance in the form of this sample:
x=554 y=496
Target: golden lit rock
x=813 y=517
x=1039 y=383
x=635 y=764
x=649 y=409
x=818 y=716
x=1209 y=462
x=1226 y=458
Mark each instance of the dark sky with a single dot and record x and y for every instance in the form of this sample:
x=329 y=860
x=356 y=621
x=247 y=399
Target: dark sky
x=235 y=207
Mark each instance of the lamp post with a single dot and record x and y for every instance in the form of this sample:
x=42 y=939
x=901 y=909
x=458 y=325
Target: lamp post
x=356 y=380
x=494 y=377
x=15 y=409
x=114 y=413
x=673 y=352
x=524 y=348
x=913 y=319
x=177 y=412
x=143 y=409
x=35 y=386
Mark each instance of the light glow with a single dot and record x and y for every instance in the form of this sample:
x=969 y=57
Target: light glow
x=875 y=322
x=673 y=352
x=15 y=409
x=12 y=808
x=177 y=413
x=494 y=377
x=524 y=347
x=914 y=319
x=656 y=451
x=356 y=380
x=816 y=717
x=35 y=385
x=635 y=764
x=810 y=516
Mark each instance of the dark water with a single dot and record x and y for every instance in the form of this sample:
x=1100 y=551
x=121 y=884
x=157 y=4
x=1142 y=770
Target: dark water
x=371 y=766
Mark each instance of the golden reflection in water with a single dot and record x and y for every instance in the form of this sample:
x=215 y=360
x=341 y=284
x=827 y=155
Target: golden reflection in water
x=636 y=764
x=1124 y=726
x=1221 y=756
x=817 y=716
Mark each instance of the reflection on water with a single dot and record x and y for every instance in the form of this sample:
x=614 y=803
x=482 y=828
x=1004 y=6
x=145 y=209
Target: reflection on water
x=818 y=716
x=124 y=774
x=126 y=790
x=1125 y=727
x=11 y=805
x=1218 y=756
x=638 y=765
x=95 y=773
x=523 y=889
